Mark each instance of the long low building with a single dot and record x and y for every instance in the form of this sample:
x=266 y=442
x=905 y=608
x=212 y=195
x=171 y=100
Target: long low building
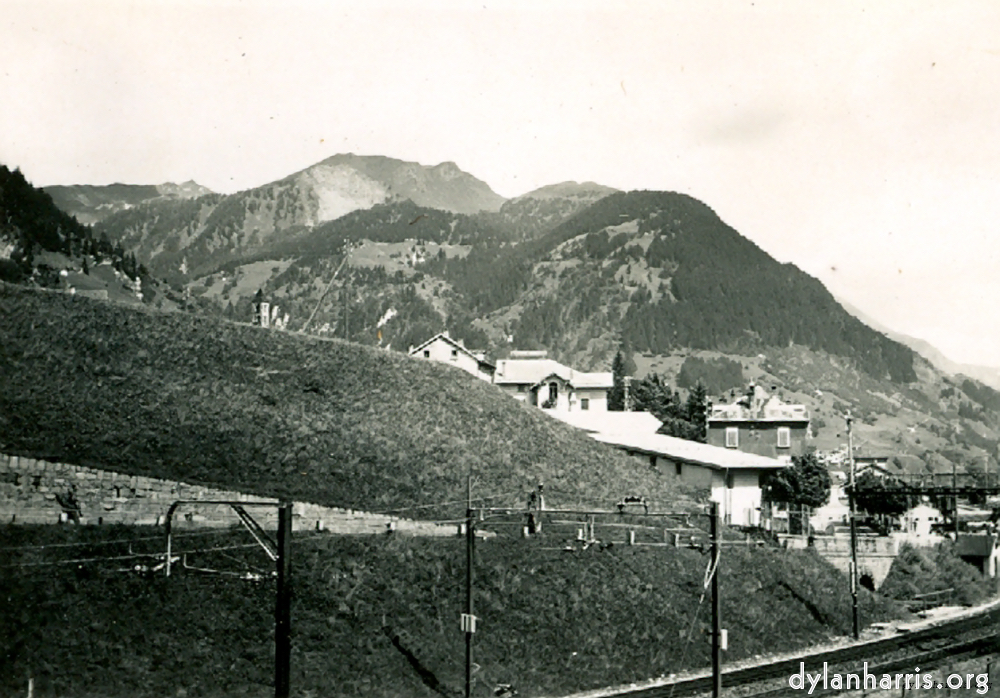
x=732 y=477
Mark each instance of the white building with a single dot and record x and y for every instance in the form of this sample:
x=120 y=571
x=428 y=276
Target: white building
x=548 y=384
x=442 y=348
x=731 y=477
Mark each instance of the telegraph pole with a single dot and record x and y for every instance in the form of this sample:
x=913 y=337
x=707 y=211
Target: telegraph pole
x=469 y=620
x=282 y=608
x=854 y=533
x=716 y=606
x=954 y=498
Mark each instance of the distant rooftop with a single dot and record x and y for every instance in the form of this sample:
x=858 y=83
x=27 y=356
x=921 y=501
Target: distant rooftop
x=685 y=451
x=532 y=371
x=758 y=406
x=609 y=423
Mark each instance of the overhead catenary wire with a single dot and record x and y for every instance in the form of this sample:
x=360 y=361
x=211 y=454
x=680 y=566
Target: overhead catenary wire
x=710 y=571
x=135 y=556
x=121 y=541
x=384 y=512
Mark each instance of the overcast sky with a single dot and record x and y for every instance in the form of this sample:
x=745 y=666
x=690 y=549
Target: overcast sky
x=858 y=140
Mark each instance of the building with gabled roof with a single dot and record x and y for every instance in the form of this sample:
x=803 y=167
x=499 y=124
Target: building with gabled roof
x=447 y=350
x=540 y=381
x=760 y=423
x=609 y=423
x=732 y=477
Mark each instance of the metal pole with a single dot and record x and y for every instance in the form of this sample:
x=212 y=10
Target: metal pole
x=168 y=525
x=716 y=606
x=954 y=498
x=854 y=534
x=282 y=608
x=470 y=543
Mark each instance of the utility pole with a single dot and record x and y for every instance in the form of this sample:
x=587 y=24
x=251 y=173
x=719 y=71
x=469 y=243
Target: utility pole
x=627 y=399
x=954 y=498
x=347 y=255
x=282 y=608
x=854 y=533
x=469 y=620
x=716 y=606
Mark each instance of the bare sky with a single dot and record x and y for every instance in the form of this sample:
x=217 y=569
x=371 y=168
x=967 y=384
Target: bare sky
x=857 y=140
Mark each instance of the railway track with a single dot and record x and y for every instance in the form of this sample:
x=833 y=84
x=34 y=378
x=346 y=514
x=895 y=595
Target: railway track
x=933 y=643
x=930 y=659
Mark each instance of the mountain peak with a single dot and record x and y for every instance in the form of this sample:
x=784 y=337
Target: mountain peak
x=569 y=190
x=348 y=182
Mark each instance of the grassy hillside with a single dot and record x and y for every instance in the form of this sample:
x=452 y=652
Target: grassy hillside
x=207 y=401
x=551 y=623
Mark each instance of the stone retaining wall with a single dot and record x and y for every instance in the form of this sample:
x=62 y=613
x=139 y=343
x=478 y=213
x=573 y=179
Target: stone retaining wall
x=875 y=553
x=40 y=492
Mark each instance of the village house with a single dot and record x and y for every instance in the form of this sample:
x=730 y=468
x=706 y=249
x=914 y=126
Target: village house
x=877 y=465
x=267 y=315
x=981 y=550
x=532 y=377
x=443 y=348
x=917 y=526
x=731 y=477
x=760 y=423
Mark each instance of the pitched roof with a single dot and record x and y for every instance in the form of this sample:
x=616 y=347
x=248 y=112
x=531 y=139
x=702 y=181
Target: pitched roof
x=975 y=545
x=455 y=343
x=759 y=406
x=534 y=371
x=609 y=422
x=671 y=447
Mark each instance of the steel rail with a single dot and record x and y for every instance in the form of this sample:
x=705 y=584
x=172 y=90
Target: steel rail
x=865 y=651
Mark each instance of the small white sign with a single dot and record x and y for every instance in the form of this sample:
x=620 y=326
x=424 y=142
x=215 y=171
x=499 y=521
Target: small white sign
x=468 y=623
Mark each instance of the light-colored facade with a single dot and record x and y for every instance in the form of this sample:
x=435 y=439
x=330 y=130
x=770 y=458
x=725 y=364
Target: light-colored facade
x=732 y=477
x=444 y=349
x=760 y=423
x=837 y=511
x=550 y=385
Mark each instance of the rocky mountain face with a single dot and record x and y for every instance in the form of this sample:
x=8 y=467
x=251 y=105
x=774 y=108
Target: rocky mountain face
x=185 y=239
x=344 y=183
x=93 y=203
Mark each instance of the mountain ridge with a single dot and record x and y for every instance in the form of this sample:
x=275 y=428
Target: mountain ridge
x=988 y=375
x=91 y=203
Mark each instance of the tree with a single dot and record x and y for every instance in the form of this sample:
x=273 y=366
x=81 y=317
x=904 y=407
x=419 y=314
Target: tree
x=881 y=499
x=697 y=408
x=616 y=396
x=805 y=484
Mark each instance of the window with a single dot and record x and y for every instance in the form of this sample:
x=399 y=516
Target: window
x=427 y=353
x=522 y=388
x=732 y=437
x=730 y=480
x=585 y=403
x=553 y=391
x=679 y=467
x=454 y=354
x=784 y=437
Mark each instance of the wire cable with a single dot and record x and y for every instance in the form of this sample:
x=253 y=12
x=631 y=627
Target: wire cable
x=81 y=544
x=710 y=571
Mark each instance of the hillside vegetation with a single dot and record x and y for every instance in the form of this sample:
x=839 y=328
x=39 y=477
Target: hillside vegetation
x=207 y=401
x=551 y=622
